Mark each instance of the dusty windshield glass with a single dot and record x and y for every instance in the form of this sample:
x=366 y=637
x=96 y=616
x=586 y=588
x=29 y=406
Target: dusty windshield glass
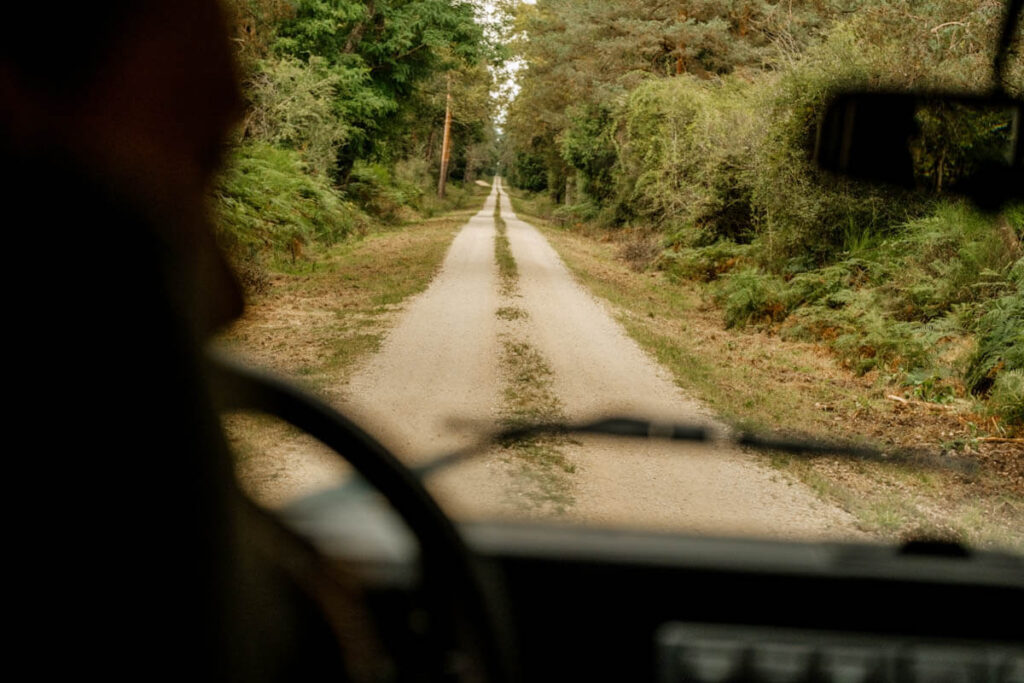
x=458 y=218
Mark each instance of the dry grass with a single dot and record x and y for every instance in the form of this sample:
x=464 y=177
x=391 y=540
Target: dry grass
x=640 y=251
x=529 y=398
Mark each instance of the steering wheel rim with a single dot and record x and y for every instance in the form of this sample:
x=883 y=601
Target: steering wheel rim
x=446 y=560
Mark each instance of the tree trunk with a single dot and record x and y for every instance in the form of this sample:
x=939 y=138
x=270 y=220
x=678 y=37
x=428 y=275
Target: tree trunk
x=446 y=143
x=428 y=155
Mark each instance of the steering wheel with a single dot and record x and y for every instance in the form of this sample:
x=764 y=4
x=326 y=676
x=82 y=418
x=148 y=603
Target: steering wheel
x=450 y=576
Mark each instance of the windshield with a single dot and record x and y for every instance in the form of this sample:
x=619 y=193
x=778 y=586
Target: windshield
x=456 y=218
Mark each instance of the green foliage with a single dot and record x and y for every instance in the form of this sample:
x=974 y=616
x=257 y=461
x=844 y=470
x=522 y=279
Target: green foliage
x=346 y=105
x=685 y=159
x=750 y=296
x=589 y=147
x=878 y=342
x=294 y=106
x=1007 y=397
x=255 y=26
x=802 y=212
x=1000 y=341
x=955 y=139
x=954 y=255
x=528 y=171
x=372 y=186
x=268 y=198
x=894 y=304
x=701 y=123
x=703 y=263
x=386 y=49
x=931 y=385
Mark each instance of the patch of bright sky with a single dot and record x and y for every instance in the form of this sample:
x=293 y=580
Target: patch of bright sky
x=506 y=86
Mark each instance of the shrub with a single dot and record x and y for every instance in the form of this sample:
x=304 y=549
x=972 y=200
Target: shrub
x=952 y=256
x=684 y=158
x=1007 y=397
x=751 y=296
x=703 y=264
x=1000 y=342
x=267 y=198
x=640 y=251
x=374 y=188
x=589 y=147
x=802 y=211
x=880 y=342
x=293 y=106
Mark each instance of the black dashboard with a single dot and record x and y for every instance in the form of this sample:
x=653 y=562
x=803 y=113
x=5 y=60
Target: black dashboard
x=599 y=605
x=580 y=604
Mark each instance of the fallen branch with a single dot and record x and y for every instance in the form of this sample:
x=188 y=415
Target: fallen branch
x=1001 y=439
x=924 y=404
x=948 y=23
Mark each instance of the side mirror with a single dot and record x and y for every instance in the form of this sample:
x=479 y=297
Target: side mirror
x=928 y=142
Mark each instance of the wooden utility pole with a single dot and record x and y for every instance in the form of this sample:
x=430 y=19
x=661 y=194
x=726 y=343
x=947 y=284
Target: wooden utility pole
x=446 y=142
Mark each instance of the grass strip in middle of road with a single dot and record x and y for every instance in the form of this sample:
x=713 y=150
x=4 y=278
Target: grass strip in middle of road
x=528 y=396
x=503 y=254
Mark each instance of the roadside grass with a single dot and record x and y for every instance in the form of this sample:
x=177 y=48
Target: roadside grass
x=756 y=380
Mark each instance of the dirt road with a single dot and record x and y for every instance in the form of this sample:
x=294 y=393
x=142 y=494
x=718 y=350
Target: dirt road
x=443 y=360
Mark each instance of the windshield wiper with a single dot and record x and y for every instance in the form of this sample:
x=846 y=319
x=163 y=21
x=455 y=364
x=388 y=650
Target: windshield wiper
x=694 y=433
x=633 y=428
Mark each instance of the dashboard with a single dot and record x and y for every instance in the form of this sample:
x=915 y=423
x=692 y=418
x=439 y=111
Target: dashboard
x=578 y=604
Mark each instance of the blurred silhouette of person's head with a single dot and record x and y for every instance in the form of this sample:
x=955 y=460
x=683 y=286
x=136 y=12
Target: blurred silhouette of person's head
x=138 y=97
x=134 y=559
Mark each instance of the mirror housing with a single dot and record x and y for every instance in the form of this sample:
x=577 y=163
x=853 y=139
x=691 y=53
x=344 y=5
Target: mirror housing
x=961 y=144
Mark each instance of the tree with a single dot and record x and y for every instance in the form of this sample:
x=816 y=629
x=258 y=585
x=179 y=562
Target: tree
x=583 y=57
x=386 y=47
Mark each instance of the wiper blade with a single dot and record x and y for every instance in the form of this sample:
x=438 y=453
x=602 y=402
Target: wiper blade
x=613 y=426
x=695 y=433
x=628 y=427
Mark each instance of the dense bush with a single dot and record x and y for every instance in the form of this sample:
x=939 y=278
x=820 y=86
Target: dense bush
x=684 y=159
x=589 y=147
x=528 y=171
x=954 y=255
x=703 y=263
x=1007 y=397
x=268 y=198
x=803 y=212
x=292 y=105
x=1000 y=341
